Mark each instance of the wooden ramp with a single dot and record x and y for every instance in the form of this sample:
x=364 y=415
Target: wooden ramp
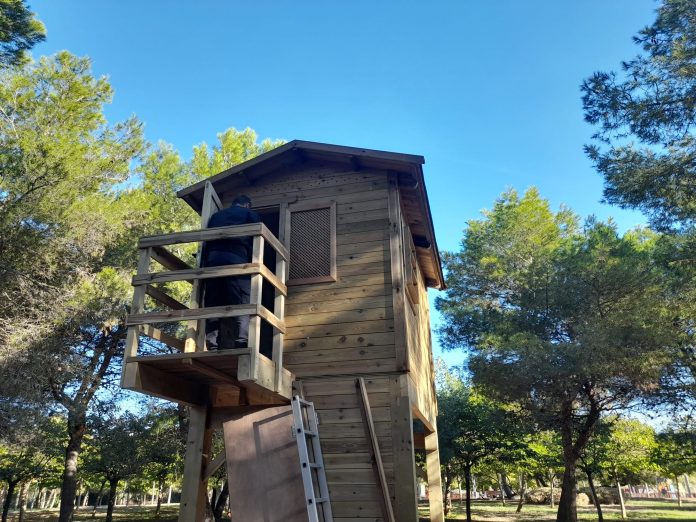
x=263 y=468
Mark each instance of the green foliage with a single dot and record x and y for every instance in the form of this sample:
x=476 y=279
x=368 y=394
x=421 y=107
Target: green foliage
x=115 y=447
x=565 y=322
x=675 y=452
x=234 y=147
x=162 y=447
x=19 y=31
x=620 y=450
x=652 y=102
x=470 y=426
x=554 y=314
x=60 y=162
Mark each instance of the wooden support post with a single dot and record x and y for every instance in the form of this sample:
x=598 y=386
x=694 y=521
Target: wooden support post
x=195 y=333
x=254 y=341
x=279 y=311
x=432 y=466
x=195 y=485
x=396 y=249
x=406 y=502
x=128 y=375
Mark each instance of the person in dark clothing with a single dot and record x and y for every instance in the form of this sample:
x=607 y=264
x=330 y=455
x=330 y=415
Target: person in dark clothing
x=230 y=332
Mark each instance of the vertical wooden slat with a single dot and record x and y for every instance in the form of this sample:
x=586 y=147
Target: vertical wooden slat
x=255 y=321
x=375 y=454
x=195 y=332
x=432 y=465
x=396 y=257
x=128 y=374
x=279 y=304
x=194 y=486
x=279 y=311
x=405 y=504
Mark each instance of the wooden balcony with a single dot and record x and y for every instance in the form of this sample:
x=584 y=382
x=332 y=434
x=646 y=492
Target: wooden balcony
x=189 y=374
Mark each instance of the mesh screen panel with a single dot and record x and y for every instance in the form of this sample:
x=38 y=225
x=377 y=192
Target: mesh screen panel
x=310 y=243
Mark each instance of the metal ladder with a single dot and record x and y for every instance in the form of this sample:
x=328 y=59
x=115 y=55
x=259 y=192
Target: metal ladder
x=303 y=412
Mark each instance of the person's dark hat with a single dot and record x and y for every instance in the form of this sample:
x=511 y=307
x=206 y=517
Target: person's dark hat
x=241 y=200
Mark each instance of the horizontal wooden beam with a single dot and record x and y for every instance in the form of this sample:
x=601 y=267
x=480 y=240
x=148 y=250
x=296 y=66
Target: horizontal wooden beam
x=214 y=312
x=164 y=298
x=166 y=385
x=274 y=321
x=209 y=370
x=269 y=276
x=275 y=243
x=159 y=335
x=208 y=234
x=211 y=272
x=168 y=260
x=200 y=356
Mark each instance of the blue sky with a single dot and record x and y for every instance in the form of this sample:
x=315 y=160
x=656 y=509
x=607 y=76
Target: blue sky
x=486 y=90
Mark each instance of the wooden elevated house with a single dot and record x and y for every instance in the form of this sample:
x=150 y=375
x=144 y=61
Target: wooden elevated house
x=339 y=316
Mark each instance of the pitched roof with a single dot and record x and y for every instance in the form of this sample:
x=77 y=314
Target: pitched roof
x=408 y=168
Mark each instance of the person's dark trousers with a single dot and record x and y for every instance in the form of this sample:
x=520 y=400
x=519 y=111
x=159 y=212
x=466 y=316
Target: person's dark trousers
x=223 y=291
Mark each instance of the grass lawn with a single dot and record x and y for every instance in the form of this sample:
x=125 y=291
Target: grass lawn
x=121 y=514
x=488 y=511
x=638 y=510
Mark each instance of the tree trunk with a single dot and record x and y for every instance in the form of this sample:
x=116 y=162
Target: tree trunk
x=11 y=485
x=113 y=484
x=507 y=490
x=160 y=486
x=23 y=501
x=621 y=499
x=567 y=506
x=221 y=502
x=467 y=481
x=448 y=485
x=76 y=432
x=595 y=498
x=523 y=490
x=553 y=490
x=679 y=499
x=500 y=486
x=98 y=499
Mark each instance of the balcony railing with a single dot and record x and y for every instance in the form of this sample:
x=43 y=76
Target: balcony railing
x=245 y=367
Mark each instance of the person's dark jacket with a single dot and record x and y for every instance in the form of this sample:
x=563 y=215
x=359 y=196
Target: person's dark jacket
x=231 y=250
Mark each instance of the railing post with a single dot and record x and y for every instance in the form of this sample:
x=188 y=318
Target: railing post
x=128 y=375
x=195 y=332
x=254 y=342
x=279 y=311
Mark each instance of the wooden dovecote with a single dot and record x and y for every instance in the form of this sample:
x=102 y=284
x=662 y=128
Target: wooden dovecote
x=340 y=274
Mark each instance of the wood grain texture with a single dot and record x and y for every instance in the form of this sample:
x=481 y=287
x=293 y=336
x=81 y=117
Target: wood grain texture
x=263 y=468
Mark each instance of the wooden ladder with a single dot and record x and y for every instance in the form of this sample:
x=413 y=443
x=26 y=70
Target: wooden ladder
x=311 y=461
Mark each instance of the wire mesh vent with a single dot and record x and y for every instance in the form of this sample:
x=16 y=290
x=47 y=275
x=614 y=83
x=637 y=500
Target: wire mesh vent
x=310 y=243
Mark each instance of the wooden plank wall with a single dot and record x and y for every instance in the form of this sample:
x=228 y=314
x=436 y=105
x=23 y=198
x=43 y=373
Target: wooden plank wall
x=352 y=483
x=420 y=354
x=340 y=330
x=342 y=327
